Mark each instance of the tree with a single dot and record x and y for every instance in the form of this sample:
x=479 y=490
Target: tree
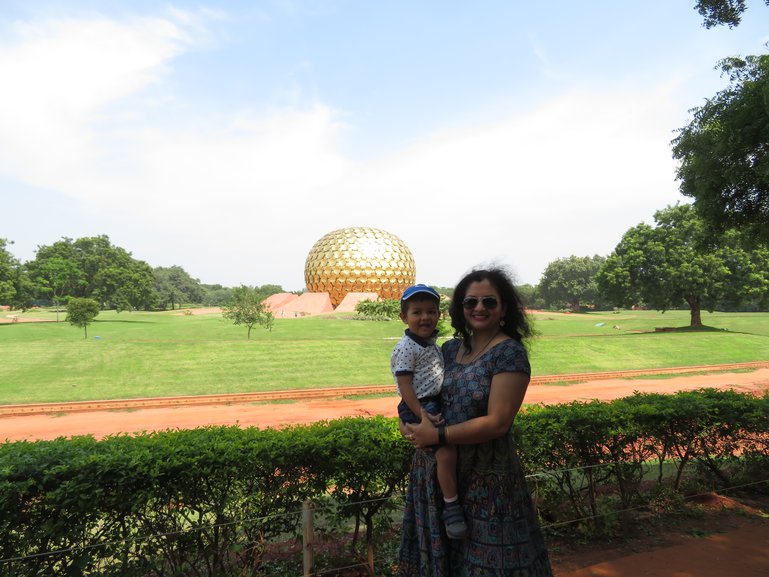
x=174 y=286
x=127 y=288
x=24 y=289
x=571 y=281
x=97 y=270
x=721 y=12
x=57 y=278
x=724 y=150
x=216 y=295
x=16 y=288
x=7 y=266
x=80 y=312
x=247 y=308
x=679 y=261
x=269 y=289
x=530 y=296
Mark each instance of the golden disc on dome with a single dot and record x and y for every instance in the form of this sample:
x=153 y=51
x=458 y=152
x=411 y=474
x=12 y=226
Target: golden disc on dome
x=359 y=259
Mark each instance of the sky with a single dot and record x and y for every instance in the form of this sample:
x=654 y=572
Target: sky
x=228 y=137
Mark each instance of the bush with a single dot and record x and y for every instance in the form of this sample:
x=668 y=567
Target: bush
x=210 y=501
x=378 y=310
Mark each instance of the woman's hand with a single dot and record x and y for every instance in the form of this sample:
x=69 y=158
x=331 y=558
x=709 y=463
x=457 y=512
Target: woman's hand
x=423 y=434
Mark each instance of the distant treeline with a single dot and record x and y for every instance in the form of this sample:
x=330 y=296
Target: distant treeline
x=92 y=267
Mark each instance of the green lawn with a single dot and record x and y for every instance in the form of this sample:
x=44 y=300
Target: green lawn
x=140 y=354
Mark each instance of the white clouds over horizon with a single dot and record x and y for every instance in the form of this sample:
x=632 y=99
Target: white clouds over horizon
x=91 y=113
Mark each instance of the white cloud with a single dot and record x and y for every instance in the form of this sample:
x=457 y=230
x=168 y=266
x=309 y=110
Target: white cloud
x=566 y=178
x=58 y=78
x=244 y=203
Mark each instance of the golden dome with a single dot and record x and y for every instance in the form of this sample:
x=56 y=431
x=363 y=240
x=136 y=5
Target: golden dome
x=359 y=260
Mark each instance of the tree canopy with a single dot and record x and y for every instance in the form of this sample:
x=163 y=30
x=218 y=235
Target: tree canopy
x=570 y=281
x=247 y=308
x=7 y=265
x=174 y=286
x=91 y=267
x=679 y=261
x=724 y=150
x=722 y=12
x=81 y=312
x=16 y=288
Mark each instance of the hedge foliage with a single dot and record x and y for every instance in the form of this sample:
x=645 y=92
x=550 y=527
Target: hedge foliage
x=208 y=501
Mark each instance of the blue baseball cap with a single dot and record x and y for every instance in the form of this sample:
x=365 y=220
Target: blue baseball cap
x=420 y=288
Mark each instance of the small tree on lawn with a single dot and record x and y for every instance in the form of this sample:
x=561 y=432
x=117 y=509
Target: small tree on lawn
x=80 y=312
x=247 y=308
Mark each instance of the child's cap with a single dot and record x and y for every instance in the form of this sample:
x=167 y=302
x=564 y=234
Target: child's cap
x=419 y=288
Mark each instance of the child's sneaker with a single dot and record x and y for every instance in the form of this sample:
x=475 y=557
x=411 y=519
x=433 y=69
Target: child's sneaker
x=454 y=520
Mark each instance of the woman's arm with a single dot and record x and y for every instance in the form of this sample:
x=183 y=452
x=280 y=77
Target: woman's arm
x=505 y=399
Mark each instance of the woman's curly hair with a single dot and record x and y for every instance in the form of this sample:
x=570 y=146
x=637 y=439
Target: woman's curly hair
x=516 y=323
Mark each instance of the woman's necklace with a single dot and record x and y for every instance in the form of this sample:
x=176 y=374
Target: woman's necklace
x=479 y=353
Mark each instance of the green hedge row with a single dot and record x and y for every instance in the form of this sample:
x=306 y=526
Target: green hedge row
x=194 y=502
x=208 y=501
x=586 y=447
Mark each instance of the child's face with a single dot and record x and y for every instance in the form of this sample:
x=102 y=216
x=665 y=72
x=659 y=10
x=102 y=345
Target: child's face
x=422 y=316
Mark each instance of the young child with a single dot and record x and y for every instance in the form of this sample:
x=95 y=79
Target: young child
x=417 y=365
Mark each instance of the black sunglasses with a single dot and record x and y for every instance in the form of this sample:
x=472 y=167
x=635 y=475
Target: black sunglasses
x=488 y=303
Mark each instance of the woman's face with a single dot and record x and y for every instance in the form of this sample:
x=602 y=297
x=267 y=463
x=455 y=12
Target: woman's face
x=482 y=307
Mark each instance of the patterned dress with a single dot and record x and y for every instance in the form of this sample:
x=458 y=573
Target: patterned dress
x=505 y=539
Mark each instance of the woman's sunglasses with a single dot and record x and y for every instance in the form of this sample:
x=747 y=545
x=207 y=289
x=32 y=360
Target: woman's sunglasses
x=488 y=303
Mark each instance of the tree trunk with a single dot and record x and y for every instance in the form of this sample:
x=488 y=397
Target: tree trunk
x=696 y=311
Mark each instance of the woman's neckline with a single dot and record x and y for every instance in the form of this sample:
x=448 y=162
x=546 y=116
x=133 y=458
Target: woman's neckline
x=458 y=355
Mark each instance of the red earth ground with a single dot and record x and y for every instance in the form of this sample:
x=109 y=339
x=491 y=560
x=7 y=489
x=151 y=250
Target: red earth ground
x=101 y=423
x=730 y=540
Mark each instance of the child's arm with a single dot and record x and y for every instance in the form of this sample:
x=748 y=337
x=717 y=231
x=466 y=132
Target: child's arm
x=408 y=394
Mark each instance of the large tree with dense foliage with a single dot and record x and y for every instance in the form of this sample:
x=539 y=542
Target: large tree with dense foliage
x=724 y=150
x=16 y=288
x=570 y=281
x=56 y=278
x=91 y=267
x=247 y=308
x=174 y=286
x=680 y=261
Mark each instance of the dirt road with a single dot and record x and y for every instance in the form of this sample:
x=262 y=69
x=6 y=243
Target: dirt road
x=278 y=414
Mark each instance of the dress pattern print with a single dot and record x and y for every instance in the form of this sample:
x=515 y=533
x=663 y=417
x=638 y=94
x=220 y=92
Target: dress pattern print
x=505 y=539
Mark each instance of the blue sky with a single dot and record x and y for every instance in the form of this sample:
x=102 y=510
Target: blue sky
x=228 y=137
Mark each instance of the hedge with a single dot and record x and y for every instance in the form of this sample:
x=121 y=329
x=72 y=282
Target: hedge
x=209 y=501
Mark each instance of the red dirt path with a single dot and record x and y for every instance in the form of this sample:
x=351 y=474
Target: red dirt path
x=739 y=547
x=102 y=423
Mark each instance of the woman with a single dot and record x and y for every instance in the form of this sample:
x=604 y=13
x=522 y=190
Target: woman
x=486 y=375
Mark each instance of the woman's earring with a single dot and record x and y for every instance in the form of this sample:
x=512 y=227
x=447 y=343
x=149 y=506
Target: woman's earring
x=502 y=323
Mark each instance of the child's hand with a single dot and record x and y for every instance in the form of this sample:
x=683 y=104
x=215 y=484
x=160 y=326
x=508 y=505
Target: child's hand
x=434 y=419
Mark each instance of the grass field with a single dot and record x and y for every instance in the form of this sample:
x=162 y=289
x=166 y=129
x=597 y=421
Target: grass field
x=140 y=354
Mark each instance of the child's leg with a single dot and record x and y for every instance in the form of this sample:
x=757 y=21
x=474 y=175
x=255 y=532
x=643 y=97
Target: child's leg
x=446 y=463
x=453 y=517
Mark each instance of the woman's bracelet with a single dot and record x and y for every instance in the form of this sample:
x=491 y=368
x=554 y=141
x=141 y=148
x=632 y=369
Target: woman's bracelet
x=441 y=435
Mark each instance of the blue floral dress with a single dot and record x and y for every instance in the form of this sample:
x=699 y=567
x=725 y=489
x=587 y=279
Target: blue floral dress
x=505 y=539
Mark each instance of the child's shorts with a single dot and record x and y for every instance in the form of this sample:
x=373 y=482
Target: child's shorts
x=431 y=404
